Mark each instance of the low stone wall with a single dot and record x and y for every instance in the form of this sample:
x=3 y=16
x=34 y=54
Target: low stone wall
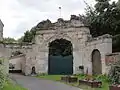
x=111 y=59
x=17 y=45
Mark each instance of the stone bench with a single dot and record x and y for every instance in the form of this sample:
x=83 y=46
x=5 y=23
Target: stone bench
x=93 y=84
x=69 y=79
x=64 y=78
x=114 y=88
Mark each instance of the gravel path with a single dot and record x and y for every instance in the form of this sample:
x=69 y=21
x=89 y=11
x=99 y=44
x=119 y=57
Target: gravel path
x=33 y=83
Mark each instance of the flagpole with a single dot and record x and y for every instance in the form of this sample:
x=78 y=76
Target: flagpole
x=60 y=11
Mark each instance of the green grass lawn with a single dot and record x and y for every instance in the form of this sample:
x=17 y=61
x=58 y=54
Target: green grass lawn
x=50 y=77
x=10 y=86
x=105 y=85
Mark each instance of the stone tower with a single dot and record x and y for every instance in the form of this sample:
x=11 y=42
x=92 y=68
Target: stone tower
x=1 y=30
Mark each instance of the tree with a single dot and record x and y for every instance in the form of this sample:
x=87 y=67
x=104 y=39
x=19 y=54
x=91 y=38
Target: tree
x=9 y=40
x=20 y=40
x=60 y=47
x=118 y=4
x=27 y=36
x=103 y=18
x=116 y=43
x=30 y=35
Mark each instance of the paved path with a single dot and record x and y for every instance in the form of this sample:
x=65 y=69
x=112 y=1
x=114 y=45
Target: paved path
x=33 y=83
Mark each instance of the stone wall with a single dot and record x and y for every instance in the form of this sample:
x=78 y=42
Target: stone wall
x=110 y=59
x=76 y=32
x=83 y=45
x=8 y=49
x=78 y=36
x=19 y=62
x=104 y=45
x=31 y=61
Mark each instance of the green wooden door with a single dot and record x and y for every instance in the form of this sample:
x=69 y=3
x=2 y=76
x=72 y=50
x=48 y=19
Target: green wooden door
x=59 y=65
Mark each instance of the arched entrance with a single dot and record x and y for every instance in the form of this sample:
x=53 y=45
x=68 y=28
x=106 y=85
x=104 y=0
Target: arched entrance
x=60 y=59
x=96 y=62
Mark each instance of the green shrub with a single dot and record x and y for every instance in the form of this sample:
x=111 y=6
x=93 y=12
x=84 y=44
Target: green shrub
x=81 y=76
x=103 y=78
x=114 y=74
x=2 y=77
x=42 y=74
x=116 y=43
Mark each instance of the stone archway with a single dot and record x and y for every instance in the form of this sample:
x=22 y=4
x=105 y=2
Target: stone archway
x=96 y=62
x=60 y=59
x=43 y=49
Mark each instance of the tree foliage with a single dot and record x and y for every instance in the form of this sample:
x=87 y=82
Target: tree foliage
x=2 y=77
x=20 y=40
x=116 y=43
x=103 y=18
x=9 y=40
x=60 y=47
x=118 y=4
x=28 y=36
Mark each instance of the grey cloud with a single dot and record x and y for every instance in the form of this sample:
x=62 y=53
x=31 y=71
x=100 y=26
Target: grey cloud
x=19 y=30
x=28 y=13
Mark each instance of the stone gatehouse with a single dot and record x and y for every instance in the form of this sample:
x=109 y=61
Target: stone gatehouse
x=86 y=51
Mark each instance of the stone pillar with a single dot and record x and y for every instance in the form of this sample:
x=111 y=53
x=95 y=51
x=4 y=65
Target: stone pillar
x=46 y=62
x=107 y=49
x=77 y=61
x=42 y=62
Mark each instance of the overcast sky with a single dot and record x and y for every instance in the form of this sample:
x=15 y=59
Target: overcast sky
x=21 y=15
